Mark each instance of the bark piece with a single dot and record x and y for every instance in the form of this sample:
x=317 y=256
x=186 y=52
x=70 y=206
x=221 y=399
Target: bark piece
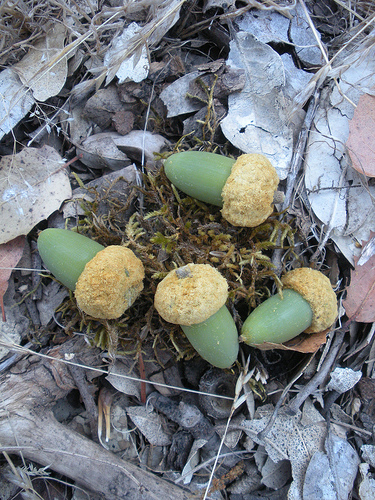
x=28 y=426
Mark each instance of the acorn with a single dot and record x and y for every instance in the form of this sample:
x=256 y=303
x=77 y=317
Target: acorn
x=245 y=188
x=105 y=281
x=194 y=297
x=307 y=304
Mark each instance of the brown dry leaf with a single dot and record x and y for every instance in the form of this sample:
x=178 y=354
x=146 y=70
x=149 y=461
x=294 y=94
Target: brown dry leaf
x=10 y=254
x=306 y=344
x=33 y=184
x=361 y=141
x=44 y=68
x=359 y=303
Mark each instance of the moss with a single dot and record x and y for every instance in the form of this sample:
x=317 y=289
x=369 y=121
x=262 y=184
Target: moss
x=171 y=231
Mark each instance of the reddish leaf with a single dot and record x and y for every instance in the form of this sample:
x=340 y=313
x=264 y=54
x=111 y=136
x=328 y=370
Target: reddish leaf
x=360 y=299
x=306 y=343
x=10 y=254
x=361 y=136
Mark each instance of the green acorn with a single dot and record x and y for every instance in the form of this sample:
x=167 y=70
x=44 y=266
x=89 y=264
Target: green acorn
x=308 y=304
x=194 y=296
x=106 y=281
x=244 y=188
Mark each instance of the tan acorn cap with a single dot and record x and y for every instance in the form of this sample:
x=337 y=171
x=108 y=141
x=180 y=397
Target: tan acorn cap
x=249 y=191
x=110 y=283
x=190 y=294
x=317 y=290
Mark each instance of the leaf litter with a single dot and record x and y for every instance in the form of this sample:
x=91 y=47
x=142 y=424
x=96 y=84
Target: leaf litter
x=331 y=212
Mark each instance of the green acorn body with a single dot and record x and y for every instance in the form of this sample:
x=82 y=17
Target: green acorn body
x=199 y=174
x=308 y=304
x=278 y=319
x=66 y=253
x=215 y=339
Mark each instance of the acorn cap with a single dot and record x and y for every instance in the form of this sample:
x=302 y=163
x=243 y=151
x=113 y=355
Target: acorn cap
x=317 y=290
x=110 y=283
x=249 y=191
x=190 y=294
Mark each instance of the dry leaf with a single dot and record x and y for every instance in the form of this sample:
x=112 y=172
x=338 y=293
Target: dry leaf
x=303 y=343
x=343 y=379
x=336 y=192
x=33 y=184
x=44 y=68
x=175 y=98
x=367 y=486
x=257 y=119
x=135 y=67
x=292 y=437
x=359 y=303
x=15 y=101
x=124 y=379
x=331 y=475
x=361 y=141
x=224 y=4
x=286 y=25
x=100 y=151
x=10 y=254
x=131 y=50
x=14 y=329
x=304 y=39
x=151 y=425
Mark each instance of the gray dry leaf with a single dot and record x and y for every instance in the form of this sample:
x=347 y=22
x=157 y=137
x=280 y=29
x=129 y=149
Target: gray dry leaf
x=344 y=462
x=294 y=438
x=368 y=454
x=150 y=424
x=193 y=460
x=115 y=185
x=15 y=101
x=275 y=476
x=44 y=68
x=33 y=184
x=302 y=37
x=112 y=150
x=174 y=96
x=272 y=26
x=266 y=25
x=121 y=378
x=319 y=481
x=225 y=4
x=331 y=475
x=339 y=196
x=130 y=51
x=53 y=295
x=257 y=119
x=100 y=151
x=13 y=329
x=366 y=489
x=136 y=66
x=343 y=379
x=141 y=145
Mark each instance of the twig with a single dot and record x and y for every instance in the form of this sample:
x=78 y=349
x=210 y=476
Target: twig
x=79 y=376
x=297 y=158
x=318 y=379
x=281 y=400
x=295 y=167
